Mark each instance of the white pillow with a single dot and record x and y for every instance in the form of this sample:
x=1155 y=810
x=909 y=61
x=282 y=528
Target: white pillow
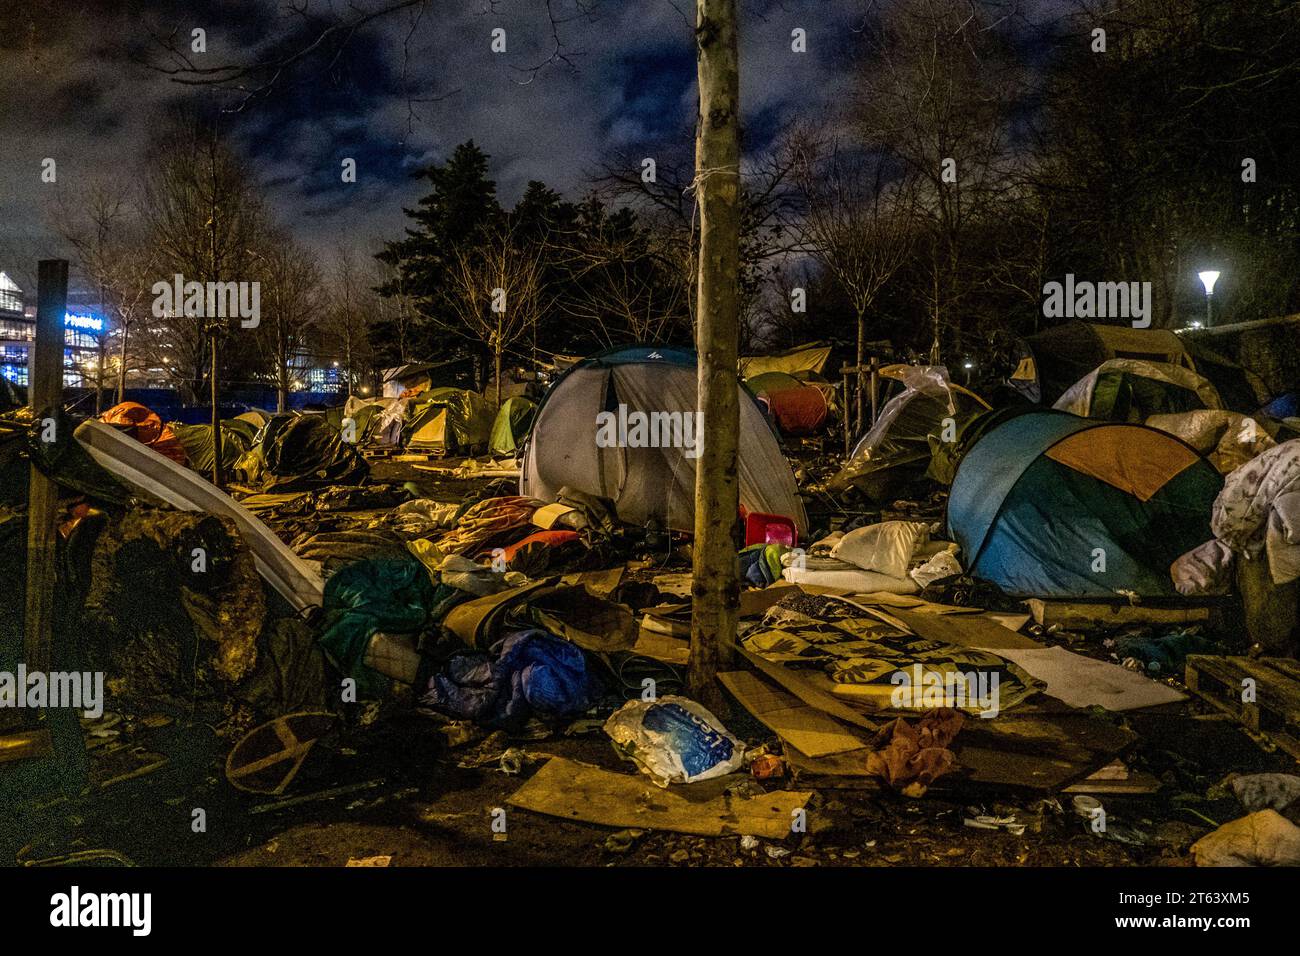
x=886 y=547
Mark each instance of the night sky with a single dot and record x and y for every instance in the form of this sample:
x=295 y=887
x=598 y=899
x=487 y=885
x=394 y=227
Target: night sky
x=75 y=85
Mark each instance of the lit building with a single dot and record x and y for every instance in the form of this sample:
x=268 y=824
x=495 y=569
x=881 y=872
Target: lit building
x=83 y=330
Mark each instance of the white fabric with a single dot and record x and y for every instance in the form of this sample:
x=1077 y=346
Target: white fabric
x=1206 y=569
x=1228 y=439
x=851 y=579
x=1242 y=511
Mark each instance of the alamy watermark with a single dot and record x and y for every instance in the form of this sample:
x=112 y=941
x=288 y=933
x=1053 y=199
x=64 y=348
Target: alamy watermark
x=921 y=689
x=79 y=690
x=1098 y=300
x=637 y=429
x=209 y=300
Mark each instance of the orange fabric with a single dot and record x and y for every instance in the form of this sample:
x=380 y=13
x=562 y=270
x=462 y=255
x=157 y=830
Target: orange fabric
x=1126 y=457
x=147 y=428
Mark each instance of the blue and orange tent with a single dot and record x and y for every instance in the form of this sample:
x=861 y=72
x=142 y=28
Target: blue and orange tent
x=1047 y=504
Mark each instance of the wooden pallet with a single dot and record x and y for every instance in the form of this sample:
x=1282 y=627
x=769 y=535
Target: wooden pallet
x=1275 y=711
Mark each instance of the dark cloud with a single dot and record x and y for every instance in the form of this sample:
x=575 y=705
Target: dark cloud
x=77 y=85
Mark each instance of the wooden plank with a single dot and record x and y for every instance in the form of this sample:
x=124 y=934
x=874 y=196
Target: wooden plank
x=1084 y=615
x=577 y=791
x=806 y=691
x=26 y=744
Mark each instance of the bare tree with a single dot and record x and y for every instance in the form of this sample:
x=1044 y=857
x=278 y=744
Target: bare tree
x=348 y=318
x=102 y=225
x=624 y=286
x=497 y=292
x=202 y=218
x=936 y=93
x=859 y=222
x=291 y=309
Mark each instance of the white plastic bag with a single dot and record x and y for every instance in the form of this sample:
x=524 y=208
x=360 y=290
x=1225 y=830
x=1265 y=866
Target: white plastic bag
x=674 y=740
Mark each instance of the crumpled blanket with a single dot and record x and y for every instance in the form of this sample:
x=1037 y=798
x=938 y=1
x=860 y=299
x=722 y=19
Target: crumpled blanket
x=910 y=757
x=1206 y=569
x=1258 y=510
x=486 y=522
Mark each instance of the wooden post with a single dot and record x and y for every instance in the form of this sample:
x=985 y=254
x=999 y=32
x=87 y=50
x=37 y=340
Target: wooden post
x=848 y=412
x=715 y=591
x=46 y=397
x=216 y=409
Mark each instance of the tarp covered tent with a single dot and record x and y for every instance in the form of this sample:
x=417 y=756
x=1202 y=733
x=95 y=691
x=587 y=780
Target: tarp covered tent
x=1051 y=505
x=448 y=421
x=237 y=437
x=512 y=423
x=772 y=382
x=146 y=427
x=898 y=448
x=294 y=452
x=802 y=358
x=1132 y=390
x=1066 y=353
x=646 y=484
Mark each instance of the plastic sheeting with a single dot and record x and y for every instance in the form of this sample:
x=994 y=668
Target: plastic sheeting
x=1228 y=439
x=299 y=451
x=1132 y=390
x=898 y=448
x=237 y=436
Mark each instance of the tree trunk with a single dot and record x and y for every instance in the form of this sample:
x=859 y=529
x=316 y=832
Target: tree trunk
x=862 y=357
x=716 y=589
x=497 y=361
x=216 y=415
x=121 y=372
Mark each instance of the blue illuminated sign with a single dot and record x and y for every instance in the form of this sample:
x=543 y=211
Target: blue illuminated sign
x=88 y=323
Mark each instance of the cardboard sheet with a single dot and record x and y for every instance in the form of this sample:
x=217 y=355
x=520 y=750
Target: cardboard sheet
x=1084 y=682
x=806 y=728
x=577 y=791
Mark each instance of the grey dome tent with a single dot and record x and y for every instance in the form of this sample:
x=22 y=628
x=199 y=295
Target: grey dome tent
x=646 y=481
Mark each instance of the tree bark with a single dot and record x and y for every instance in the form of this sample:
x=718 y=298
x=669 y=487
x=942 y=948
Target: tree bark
x=716 y=589
x=121 y=372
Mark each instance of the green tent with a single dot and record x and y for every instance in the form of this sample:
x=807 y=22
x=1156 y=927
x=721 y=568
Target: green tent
x=772 y=382
x=512 y=424
x=447 y=421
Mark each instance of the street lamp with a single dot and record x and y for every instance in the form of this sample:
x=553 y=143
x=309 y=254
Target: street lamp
x=1208 y=278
